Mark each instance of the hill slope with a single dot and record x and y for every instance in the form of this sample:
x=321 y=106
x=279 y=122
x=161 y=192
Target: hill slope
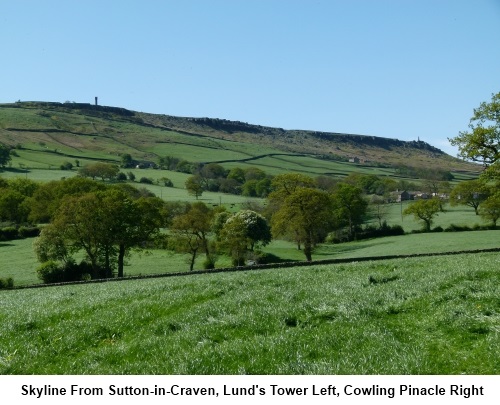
x=86 y=131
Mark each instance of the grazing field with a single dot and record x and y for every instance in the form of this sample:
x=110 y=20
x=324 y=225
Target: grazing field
x=18 y=261
x=435 y=315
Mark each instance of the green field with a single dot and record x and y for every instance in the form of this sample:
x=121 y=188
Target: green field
x=412 y=316
x=17 y=259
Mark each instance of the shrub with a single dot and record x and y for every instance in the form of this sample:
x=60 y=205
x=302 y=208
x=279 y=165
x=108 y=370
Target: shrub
x=146 y=180
x=121 y=176
x=167 y=182
x=28 y=232
x=6 y=283
x=8 y=233
x=457 y=228
x=267 y=258
x=50 y=272
x=54 y=272
x=67 y=166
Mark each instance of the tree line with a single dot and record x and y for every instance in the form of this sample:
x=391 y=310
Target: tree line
x=104 y=222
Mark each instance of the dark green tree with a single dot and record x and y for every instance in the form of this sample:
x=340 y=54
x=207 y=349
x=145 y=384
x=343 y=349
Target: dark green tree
x=194 y=185
x=306 y=214
x=4 y=155
x=350 y=207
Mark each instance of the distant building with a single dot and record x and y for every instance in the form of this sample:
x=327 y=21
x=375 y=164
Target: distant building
x=403 y=196
x=354 y=160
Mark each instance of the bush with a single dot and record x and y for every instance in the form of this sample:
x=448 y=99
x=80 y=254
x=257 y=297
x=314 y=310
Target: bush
x=146 y=180
x=54 y=272
x=67 y=166
x=28 y=232
x=6 y=283
x=9 y=233
x=457 y=228
x=121 y=176
x=50 y=272
x=267 y=258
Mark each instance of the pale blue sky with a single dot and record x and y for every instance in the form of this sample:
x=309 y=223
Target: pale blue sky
x=394 y=68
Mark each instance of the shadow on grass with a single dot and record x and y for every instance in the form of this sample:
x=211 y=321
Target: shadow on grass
x=348 y=247
x=13 y=170
x=3 y=244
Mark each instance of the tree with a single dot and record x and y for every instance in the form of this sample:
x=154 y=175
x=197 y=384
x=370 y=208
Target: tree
x=286 y=184
x=105 y=225
x=127 y=160
x=424 y=210
x=238 y=174
x=136 y=222
x=4 y=155
x=242 y=232
x=15 y=199
x=471 y=193
x=194 y=185
x=48 y=196
x=13 y=206
x=305 y=213
x=482 y=142
x=106 y=171
x=191 y=231
x=490 y=209
x=350 y=207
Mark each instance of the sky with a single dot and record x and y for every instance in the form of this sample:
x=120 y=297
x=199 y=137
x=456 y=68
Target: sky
x=405 y=69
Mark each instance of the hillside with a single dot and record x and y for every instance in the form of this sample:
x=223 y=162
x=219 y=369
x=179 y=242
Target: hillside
x=86 y=131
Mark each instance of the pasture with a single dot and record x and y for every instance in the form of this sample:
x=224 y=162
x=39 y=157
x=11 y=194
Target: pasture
x=17 y=259
x=413 y=316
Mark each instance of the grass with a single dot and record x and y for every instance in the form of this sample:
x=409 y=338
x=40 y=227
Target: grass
x=412 y=316
x=18 y=261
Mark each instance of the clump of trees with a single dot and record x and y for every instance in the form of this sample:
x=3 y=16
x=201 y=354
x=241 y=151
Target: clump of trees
x=104 y=171
x=249 y=182
x=103 y=224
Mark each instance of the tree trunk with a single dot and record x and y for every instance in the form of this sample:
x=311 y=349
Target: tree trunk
x=308 y=246
x=121 y=257
x=193 y=258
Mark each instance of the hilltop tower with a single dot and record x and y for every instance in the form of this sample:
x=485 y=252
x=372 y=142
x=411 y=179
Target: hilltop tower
x=96 y=101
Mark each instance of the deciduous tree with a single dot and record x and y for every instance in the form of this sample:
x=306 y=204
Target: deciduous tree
x=306 y=214
x=350 y=207
x=190 y=231
x=470 y=193
x=242 y=232
x=490 y=209
x=424 y=210
x=482 y=142
x=194 y=185
x=4 y=155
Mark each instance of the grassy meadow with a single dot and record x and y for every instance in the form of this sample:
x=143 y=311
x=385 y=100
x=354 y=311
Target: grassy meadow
x=412 y=316
x=17 y=259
